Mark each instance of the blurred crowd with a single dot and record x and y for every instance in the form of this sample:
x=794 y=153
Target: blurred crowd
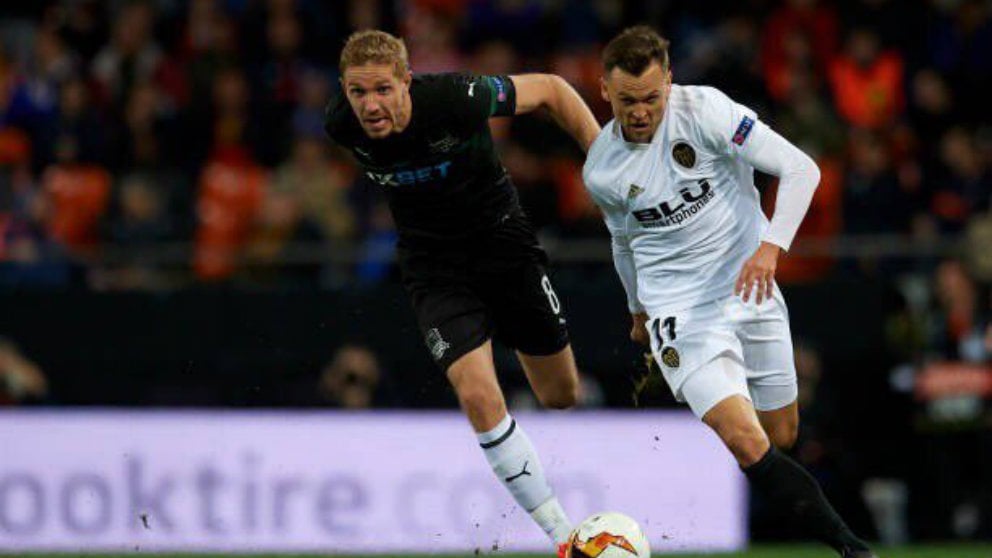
x=149 y=144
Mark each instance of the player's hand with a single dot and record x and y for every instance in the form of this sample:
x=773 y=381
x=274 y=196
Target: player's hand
x=638 y=330
x=758 y=273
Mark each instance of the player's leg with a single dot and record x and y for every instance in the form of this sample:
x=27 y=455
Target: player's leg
x=717 y=394
x=473 y=377
x=781 y=425
x=766 y=342
x=529 y=318
x=526 y=315
x=507 y=447
x=457 y=328
x=554 y=378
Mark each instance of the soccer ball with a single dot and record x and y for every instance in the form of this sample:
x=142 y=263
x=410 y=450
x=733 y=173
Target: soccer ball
x=608 y=535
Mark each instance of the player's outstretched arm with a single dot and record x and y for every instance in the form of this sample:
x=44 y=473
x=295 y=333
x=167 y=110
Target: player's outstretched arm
x=565 y=105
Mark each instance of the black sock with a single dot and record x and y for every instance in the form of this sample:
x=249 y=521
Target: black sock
x=792 y=490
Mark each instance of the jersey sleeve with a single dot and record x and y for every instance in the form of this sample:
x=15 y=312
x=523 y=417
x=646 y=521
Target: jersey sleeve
x=735 y=130
x=615 y=218
x=623 y=262
x=476 y=98
x=728 y=127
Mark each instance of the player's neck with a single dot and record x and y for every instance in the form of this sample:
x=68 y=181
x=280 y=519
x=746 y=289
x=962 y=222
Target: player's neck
x=405 y=115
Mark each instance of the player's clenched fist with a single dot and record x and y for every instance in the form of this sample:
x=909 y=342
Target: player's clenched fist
x=758 y=273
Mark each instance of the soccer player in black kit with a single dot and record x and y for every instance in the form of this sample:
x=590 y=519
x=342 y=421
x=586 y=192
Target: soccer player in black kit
x=468 y=256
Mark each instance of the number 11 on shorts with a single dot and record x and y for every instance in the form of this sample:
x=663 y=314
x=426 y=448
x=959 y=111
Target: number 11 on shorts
x=669 y=325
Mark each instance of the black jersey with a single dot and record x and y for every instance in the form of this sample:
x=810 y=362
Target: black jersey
x=441 y=173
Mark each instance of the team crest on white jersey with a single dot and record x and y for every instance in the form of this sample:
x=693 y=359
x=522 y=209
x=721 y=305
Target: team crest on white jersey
x=684 y=154
x=670 y=357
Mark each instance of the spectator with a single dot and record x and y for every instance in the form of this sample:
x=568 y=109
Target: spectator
x=144 y=133
x=965 y=189
x=351 y=379
x=322 y=185
x=140 y=233
x=283 y=248
x=232 y=133
x=277 y=81
x=867 y=82
x=873 y=199
x=799 y=37
x=957 y=327
x=808 y=118
x=76 y=196
x=207 y=44
x=78 y=122
x=21 y=381
x=131 y=57
x=960 y=39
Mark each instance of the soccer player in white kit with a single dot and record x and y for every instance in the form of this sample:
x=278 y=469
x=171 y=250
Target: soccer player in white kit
x=673 y=174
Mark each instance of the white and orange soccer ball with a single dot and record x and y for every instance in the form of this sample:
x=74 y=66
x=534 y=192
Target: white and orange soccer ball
x=608 y=535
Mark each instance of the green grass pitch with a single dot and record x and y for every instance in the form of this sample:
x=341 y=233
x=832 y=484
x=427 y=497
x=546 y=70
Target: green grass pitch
x=928 y=551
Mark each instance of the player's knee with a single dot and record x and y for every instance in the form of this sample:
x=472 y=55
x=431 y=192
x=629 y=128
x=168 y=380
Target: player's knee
x=784 y=436
x=748 y=444
x=564 y=396
x=481 y=404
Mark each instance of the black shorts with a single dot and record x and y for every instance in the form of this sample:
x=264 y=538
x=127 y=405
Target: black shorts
x=493 y=285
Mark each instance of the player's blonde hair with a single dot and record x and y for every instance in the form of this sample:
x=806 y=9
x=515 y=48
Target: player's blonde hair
x=372 y=46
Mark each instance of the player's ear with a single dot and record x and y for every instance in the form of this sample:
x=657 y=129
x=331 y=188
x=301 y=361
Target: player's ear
x=603 y=91
x=407 y=79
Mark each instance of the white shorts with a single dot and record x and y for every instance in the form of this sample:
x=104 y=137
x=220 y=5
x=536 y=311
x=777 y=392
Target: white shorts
x=755 y=339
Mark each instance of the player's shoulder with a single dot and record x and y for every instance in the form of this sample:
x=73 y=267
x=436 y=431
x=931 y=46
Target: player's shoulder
x=449 y=99
x=606 y=141
x=602 y=142
x=701 y=112
x=696 y=101
x=599 y=172
x=440 y=88
x=340 y=122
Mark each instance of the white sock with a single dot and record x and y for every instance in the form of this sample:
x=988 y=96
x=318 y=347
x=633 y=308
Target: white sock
x=515 y=462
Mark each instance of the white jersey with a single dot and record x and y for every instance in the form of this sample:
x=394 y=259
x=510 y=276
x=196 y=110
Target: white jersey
x=684 y=206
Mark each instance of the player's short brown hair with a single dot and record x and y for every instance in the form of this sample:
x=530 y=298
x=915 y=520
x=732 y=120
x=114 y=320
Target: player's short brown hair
x=374 y=47
x=634 y=49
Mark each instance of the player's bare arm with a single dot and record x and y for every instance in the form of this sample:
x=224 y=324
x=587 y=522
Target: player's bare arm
x=562 y=101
